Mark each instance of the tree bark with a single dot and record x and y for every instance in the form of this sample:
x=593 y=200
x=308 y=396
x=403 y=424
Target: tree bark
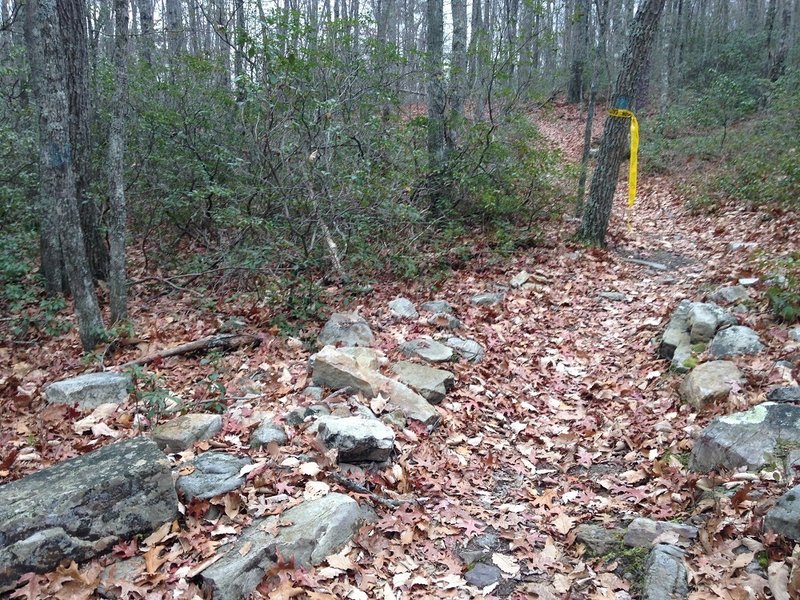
x=458 y=69
x=580 y=42
x=146 y=29
x=57 y=177
x=604 y=182
x=436 y=101
x=117 y=281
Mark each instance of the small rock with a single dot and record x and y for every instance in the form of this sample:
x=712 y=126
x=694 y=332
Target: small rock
x=789 y=393
x=404 y=308
x=313 y=392
x=642 y=533
x=214 y=473
x=519 y=279
x=676 y=334
x=486 y=298
x=613 y=296
x=397 y=418
x=710 y=382
x=347 y=329
x=267 y=433
x=683 y=359
x=730 y=294
x=180 y=433
x=471 y=350
x=482 y=575
x=89 y=391
x=427 y=349
x=445 y=321
x=704 y=318
x=438 y=306
x=735 y=341
x=117 y=574
x=784 y=517
x=748 y=281
x=794 y=334
x=357 y=439
x=665 y=574
x=733 y=246
x=432 y=384
x=598 y=540
x=777 y=280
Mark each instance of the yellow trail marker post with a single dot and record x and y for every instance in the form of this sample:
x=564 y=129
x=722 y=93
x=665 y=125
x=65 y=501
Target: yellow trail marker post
x=626 y=114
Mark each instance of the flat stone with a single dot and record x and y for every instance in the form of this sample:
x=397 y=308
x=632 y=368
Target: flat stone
x=83 y=506
x=730 y=294
x=710 y=382
x=304 y=535
x=432 y=384
x=347 y=329
x=181 y=433
x=314 y=392
x=748 y=281
x=742 y=246
x=751 y=439
x=613 y=296
x=357 y=439
x=642 y=533
x=437 y=306
x=790 y=393
x=482 y=575
x=119 y=573
x=598 y=540
x=268 y=433
x=519 y=279
x=735 y=341
x=427 y=349
x=784 y=516
x=214 y=473
x=470 y=350
x=404 y=308
x=89 y=391
x=487 y=299
x=677 y=331
x=445 y=321
x=665 y=574
x=367 y=358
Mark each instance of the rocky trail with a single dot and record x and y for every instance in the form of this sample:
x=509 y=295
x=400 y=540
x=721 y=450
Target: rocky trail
x=567 y=423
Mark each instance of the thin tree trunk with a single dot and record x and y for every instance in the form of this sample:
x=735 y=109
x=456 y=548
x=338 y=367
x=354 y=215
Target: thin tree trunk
x=436 y=101
x=604 y=182
x=580 y=43
x=458 y=69
x=117 y=282
x=146 y=29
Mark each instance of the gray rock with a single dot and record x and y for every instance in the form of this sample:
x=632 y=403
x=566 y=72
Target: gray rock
x=396 y=418
x=790 y=393
x=267 y=433
x=479 y=548
x=784 y=517
x=751 y=439
x=214 y=473
x=180 y=433
x=682 y=357
x=735 y=341
x=470 y=350
x=710 y=382
x=367 y=358
x=305 y=534
x=347 y=329
x=482 y=575
x=519 y=279
x=357 y=439
x=432 y=384
x=665 y=574
x=438 y=306
x=742 y=246
x=676 y=334
x=748 y=281
x=730 y=294
x=89 y=391
x=703 y=322
x=81 y=507
x=794 y=334
x=643 y=532
x=403 y=307
x=613 y=296
x=117 y=573
x=338 y=371
x=314 y=392
x=445 y=321
x=598 y=540
x=487 y=299
x=427 y=349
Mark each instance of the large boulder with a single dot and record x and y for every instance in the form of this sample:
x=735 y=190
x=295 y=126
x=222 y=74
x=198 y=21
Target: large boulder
x=347 y=329
x=89 y=391
x=305 y=534
x=427 y=349
x=356 y=438
x=665 y=574
x=403 y=308
x=432 y=384
x=751 y=439
x=735 y=341
x=82 y=507
x=214 y=473
x=182 y=432
x=784 y=517
x=470 y=350
x=710 y=382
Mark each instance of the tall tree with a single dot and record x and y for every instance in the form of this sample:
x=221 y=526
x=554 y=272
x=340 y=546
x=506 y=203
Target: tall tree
x=458 y=67
x=436 y=100
x=117 y=282
x=580 y=44
x=604 y=182
x=57 y=189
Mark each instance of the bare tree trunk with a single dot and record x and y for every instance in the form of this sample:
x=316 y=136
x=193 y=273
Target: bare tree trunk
x=436 y=101
x=604 y=182
x=176 y=38
x=458 y=69
x=238 y=65
x=580 y=43
x=57 y=178
x=117 y=281
x=146 y=29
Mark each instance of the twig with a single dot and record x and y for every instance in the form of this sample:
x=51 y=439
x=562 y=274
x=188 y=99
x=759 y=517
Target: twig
x=360 y=489
x=226 y=341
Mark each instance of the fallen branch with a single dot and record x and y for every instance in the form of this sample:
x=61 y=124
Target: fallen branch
x=228 y=341
x=356 y=487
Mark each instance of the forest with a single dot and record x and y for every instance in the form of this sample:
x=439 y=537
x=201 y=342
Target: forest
x=504 y=293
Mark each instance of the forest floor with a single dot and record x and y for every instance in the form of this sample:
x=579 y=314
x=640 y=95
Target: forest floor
x=570 y=418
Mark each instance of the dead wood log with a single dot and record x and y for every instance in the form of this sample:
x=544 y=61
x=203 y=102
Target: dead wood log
x=227 y=341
